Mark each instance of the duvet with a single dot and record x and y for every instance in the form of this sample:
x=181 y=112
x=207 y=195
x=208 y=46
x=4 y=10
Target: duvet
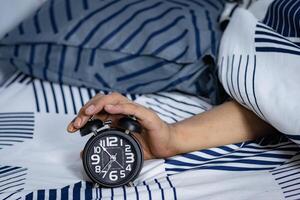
x=40 y=160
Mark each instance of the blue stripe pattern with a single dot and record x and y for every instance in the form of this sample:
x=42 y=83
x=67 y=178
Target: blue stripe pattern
x=267 y=40
x=115 y=39
x=288 y=177
x=262 y=154
x=283 y=16
x=15 y=127
x=12 y=181
x=244 y=89
x=87 y=191
x=181 y=106
x=56 y=98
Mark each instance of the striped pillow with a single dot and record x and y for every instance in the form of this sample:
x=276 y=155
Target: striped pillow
x=131 y=46
x=12 y=12
x=259 y=65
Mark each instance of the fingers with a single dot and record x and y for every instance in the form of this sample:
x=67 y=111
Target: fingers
x=94 y=106
x=70 y=127
x=87 y=111
x=102 y=116
x=97 y=104
x=81 y=118
x=146 y=117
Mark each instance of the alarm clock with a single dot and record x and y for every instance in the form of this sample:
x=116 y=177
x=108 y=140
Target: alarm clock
x=112 y=157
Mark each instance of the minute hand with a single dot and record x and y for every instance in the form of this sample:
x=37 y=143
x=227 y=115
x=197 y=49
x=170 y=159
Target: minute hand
x=104 y=149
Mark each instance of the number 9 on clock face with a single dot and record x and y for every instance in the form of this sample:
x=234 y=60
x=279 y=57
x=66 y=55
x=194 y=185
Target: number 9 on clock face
x=112 y=158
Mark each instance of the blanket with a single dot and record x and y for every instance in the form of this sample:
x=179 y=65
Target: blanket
x=40 y=160
x=259 y=65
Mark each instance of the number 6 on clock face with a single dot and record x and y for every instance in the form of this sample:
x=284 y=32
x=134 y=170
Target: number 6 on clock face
x=113 y=175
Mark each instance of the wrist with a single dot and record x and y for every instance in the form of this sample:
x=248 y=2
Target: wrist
x=175 y=143
x=187 y=139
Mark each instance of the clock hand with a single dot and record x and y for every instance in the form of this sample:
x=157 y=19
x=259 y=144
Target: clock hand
x=105 y=172
x=115 y=160
x=105 y=150
x=109 y=166
x=109 y=163
x=112 y=159
x=119 y=164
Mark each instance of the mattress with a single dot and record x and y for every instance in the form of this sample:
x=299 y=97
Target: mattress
x=40 y=160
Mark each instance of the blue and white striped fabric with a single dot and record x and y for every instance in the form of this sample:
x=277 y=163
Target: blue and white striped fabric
x=12 y=180
x=283 y=17
x=46 y=164
x=287 y=176
x=259 y=64
x=134 y=46
x=15 y=127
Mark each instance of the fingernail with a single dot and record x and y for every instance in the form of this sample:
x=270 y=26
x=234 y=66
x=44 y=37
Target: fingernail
x=90 y=110
x=71 y=128
x=77 y=122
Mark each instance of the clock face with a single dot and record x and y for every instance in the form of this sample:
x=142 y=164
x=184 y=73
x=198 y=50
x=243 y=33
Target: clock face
x=112 y=158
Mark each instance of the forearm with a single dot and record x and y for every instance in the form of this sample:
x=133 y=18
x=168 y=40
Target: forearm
x=225 y=124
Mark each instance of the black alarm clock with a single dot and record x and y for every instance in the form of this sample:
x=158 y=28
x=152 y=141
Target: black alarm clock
x=112 y=157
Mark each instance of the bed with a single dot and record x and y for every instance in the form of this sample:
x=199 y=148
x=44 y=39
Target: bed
x=40 y=160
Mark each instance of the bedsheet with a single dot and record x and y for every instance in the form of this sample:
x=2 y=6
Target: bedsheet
x=40 y=160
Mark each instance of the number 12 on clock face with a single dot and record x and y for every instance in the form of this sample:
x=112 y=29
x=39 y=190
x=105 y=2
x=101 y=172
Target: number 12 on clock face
x=111 y=142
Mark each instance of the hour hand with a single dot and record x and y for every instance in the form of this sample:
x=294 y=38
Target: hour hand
x=108 y=164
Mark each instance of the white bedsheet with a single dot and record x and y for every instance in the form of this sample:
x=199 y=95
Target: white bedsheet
x=40 y=160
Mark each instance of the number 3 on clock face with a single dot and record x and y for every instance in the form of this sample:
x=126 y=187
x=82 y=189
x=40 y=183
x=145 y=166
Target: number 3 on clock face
x=129 y=157
x=128 y=154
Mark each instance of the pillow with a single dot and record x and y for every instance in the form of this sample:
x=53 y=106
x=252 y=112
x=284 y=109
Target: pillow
x=259 y=67
x=133 y=46
x=5 y=72
x=12 y=12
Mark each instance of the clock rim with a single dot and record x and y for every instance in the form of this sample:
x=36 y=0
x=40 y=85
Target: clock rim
x=135 y=144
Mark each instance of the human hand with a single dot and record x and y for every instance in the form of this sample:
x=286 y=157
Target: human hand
x=158 y=139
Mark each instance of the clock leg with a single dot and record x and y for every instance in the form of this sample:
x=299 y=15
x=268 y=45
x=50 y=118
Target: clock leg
x=130 y=184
